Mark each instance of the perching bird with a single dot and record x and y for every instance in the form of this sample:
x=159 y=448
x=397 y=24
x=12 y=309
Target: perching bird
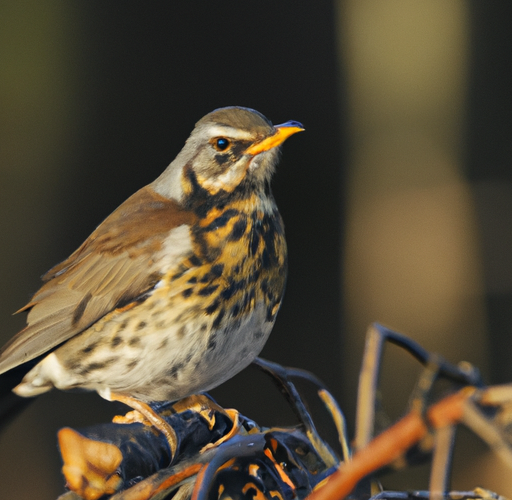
x=178 y=289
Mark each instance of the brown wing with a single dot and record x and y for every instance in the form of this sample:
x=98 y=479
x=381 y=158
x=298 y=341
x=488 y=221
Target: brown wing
x=111 y=268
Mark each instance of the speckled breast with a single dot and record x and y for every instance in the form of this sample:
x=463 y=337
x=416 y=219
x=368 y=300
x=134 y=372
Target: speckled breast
x=239 y=260
x=231 y=288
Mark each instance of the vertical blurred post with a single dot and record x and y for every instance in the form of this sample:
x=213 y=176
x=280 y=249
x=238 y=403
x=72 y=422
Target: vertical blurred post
x=36 y=123
x=411 y=253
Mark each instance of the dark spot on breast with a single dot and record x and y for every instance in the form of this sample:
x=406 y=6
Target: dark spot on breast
x=269 y=238
x=173 y=372
x=235 y=311
x=210 y=253
x=194 y=260
x=188 y=359
x=132 y=364
x=134 y=341
x=99 y=366
x=141 y=325
x=80 y=309
x=271 y=246
x=74 y=366
x=89 y=348
x=192 y=280
x=212 y=308
x=221 y=220
x=231 y=289
x=156 y=314
x=265 y=259
x=122 y=326
x=255 y=274
x=208 y=290
x=245 y=301
x=238 y=229
x=258 y=334
x=187 y=292
x=163 y=344
x=182 y=331
x=254 y=241
x=217 y=321
x=248 y=297
x=181 y=271
x=234 y=326
x=116 y=341
x=269 y=316
x=212 y=343
x=216 y=270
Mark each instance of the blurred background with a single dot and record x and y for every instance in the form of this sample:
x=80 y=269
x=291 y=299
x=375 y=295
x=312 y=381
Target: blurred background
x=397 y=200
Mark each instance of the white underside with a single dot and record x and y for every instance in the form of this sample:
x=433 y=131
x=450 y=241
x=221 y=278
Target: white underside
x=205 y=369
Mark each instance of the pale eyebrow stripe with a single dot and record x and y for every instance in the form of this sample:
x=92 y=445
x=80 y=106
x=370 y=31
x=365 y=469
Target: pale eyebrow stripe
x=224 y=130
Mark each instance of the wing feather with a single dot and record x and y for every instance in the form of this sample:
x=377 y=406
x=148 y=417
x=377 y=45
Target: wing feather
x=114 y=266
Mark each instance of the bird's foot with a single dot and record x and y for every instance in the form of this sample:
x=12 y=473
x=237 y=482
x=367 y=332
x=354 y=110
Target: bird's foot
x=149 y=417
x=132 y=417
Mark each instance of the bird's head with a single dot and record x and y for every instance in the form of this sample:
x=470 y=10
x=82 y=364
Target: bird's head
x=226 y=147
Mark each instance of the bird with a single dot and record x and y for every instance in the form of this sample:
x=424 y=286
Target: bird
x=178 y=289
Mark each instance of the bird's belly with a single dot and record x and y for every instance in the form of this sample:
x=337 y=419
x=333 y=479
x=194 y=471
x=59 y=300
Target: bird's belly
x=203 y=362
x=165 y=356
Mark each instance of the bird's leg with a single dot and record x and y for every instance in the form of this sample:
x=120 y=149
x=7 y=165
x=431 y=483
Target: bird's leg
x=150 y=417
x=132 y=417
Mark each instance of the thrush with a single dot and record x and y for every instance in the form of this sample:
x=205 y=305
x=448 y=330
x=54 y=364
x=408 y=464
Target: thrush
x=179 y=288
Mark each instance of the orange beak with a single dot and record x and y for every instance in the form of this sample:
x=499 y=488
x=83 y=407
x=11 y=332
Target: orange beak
x=282 y=133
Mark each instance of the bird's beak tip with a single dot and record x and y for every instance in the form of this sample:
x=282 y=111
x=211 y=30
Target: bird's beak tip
x=297 y=126
x=283 y=131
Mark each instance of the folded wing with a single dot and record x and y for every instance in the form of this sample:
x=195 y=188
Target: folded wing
x=113 y=267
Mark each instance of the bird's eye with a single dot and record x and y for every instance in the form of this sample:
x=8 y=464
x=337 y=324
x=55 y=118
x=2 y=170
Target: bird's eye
x=221 y=143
